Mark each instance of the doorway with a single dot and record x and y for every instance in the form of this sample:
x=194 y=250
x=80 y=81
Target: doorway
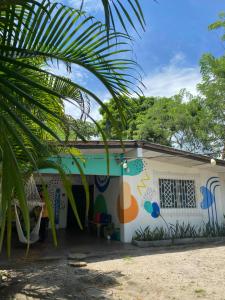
x=80 y=198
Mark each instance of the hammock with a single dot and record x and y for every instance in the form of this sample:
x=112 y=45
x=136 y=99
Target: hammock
x=34 y=235
x=33 y=200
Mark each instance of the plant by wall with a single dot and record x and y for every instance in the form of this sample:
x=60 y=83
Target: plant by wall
x=179 y=231
x=212 y=230
x=148 y=234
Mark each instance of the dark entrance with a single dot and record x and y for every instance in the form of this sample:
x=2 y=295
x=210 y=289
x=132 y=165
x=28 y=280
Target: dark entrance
x=80 y=198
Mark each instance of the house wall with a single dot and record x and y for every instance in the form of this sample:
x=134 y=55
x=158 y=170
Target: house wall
x=107 y=190
x=130 y=198
x=140 y=194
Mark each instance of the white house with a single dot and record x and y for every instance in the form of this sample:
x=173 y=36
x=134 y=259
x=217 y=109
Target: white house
x=146 y=184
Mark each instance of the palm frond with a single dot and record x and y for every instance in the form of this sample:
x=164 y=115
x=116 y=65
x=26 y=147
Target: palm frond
x=73 y=39
x=126 y=12
x=36 y=33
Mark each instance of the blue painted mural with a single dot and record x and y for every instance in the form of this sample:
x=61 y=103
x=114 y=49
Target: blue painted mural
x=155 y=210
x=209 y=198
x=57 y=205
x=102 y=182
x=152 y=208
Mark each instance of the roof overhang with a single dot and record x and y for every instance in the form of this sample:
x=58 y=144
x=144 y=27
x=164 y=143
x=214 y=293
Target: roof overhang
x=150 y=151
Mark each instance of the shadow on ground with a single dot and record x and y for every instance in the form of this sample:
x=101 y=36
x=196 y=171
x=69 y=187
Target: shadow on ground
x=58 y=280
x=45 y=273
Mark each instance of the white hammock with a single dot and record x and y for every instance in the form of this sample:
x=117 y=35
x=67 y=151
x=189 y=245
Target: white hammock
x=33 y=199
x=34 y=235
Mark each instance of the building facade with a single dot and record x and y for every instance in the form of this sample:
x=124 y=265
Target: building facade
x=146 y=185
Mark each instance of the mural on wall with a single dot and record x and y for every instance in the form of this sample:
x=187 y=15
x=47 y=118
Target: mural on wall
x=209 y=198
x=52 y=185
x=134 y=167
x=57 y=205
x=146 y=194
x=142 y=185
x=127 y=205
x=100 y=204
x=144 y=182
x=152 y=208
x=102 y=182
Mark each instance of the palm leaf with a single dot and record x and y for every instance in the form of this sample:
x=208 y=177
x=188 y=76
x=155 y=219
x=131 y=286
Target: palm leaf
x=82 y=42
x=34 y=34
x=126 y=12
x=11 y=185
x=66 y=183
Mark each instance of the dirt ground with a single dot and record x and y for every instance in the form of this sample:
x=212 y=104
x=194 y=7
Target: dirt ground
x=184 y=272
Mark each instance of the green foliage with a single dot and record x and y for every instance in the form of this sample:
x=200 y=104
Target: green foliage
x=148 y=234
x=34 y=34
x=175 y=121
x=121 y=10
x=179 y=231
x=212 y=230
x=212 y=89
x=134 y=109
x=219 y=24
x=80 y=129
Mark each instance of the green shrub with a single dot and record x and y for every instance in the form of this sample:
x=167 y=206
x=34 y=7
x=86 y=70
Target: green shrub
x=212 y=230
x=148 y=234
x=179 y=231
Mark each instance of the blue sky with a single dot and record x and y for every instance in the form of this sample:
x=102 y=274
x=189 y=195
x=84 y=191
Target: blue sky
x=169 y=51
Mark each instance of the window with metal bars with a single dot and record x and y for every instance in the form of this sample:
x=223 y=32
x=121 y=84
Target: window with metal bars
x=177 y=193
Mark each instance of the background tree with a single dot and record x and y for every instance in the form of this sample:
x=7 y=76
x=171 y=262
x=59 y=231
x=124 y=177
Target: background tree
x=174 y=121
x=134 y=109
x=212 y=89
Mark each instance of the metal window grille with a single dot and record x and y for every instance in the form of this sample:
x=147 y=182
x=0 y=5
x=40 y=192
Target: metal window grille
x=176 y=193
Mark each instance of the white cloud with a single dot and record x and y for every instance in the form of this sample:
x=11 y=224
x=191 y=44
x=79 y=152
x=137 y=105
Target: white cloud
x=170 y=79
x=74 y=111
x=104 y=96
x=77 y=74
x=165 y=81
x=88 y=6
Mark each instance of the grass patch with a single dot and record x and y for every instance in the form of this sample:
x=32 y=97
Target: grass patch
x=127 y=258
x=200 y=291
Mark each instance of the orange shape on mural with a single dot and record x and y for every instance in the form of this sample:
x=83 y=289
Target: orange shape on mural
x=127 y=205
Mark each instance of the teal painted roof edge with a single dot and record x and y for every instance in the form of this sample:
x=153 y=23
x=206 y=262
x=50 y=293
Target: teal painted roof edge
x=91 y=164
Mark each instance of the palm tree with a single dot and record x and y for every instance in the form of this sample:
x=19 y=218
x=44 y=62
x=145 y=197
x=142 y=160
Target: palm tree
x=33 y=35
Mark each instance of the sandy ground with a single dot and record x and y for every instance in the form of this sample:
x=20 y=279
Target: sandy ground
x=171 y=273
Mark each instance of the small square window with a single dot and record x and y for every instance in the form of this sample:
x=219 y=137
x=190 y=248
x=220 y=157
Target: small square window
x=177 y=193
